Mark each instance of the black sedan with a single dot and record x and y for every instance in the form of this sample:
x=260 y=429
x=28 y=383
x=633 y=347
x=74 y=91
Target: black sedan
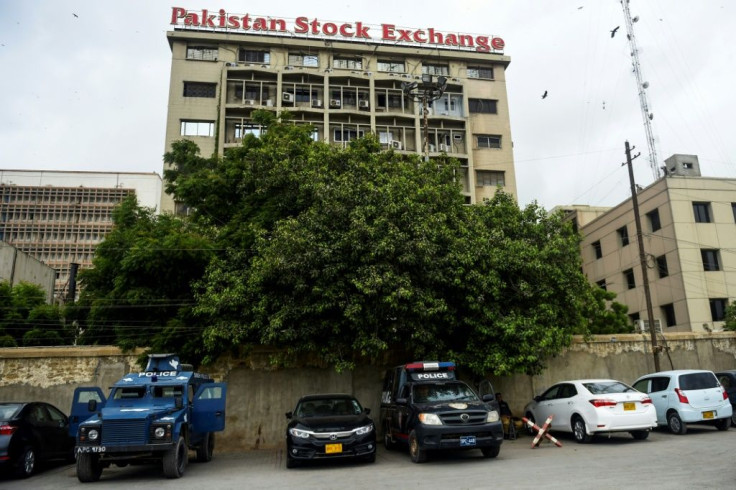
x=32 y=432
x=329 y=426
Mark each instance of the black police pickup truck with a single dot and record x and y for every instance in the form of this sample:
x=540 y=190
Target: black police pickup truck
x=424 y=405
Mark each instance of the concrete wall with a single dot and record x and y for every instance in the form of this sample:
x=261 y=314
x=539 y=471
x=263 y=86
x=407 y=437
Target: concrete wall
x=259 y=394
x=16 y=267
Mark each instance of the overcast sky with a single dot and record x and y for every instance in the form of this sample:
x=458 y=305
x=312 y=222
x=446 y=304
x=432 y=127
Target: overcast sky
x=84 y=84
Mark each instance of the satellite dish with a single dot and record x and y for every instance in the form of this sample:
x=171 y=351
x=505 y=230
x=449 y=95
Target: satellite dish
x=645 y=85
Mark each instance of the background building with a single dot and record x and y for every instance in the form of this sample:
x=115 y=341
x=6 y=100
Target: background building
x=345 y=88
x=689 y=232
x=17 y=267
x=60 y=217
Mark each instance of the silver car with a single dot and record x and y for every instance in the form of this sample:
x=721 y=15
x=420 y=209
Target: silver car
x=687 y=396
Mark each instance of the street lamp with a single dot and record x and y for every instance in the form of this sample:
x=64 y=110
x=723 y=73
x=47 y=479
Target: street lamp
x=425 y=92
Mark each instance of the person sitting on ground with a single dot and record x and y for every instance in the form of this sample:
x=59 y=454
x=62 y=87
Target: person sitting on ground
x=505 y=412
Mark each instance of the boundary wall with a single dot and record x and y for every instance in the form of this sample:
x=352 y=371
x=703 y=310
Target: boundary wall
x=260 y=393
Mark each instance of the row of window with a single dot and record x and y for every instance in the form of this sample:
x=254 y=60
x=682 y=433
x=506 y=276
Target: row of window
x=309 y=60
x=717 y=312
x=58 y=216
x=17 y=237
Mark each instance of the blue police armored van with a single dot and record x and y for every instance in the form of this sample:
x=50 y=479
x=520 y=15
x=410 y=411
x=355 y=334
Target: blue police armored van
x=153 y=416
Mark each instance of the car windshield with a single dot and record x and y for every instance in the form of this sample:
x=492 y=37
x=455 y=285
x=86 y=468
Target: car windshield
x=445 y=392
x=129 y=392
x=607 y=387
x=167 y=391
x=8 y=410
x=698 y=381
x=325 y=407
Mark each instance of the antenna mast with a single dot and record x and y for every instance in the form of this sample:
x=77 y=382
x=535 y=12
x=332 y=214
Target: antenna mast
x=642 y=86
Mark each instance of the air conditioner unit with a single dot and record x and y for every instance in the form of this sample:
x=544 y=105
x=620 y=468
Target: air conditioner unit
x=444 y=147
x=250 y=102
x=643 y=326
x=432 y=147
x=335 y=103
x=316 y=103
x=230 y=63
x=288 y=67
x=396 y=145
x=364 y=104
x=287 y=97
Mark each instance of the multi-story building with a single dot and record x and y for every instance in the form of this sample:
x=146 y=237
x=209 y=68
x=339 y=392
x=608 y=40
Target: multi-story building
x=60 y=217
x=346 y=80
x=689 y=231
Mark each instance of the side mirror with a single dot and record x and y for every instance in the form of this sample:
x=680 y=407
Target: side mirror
x=178 y=401
x=401 y=401
x=92 y=405
x=488 y=398
x=538 y=398
x=289 y=415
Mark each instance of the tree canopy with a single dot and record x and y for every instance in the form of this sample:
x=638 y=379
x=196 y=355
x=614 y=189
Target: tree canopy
x=345 y=253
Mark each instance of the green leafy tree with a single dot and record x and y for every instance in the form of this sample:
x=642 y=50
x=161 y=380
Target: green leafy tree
x=21 y=309
x=730 y=317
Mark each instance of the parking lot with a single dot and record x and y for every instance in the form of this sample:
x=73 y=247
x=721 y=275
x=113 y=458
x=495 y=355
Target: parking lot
x=702 y=458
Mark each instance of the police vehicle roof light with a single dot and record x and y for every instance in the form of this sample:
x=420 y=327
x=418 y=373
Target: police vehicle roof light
x=430 y=366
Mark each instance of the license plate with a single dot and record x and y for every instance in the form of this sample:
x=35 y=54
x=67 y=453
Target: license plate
x=629 y=406
x=709 y=415
x=467 y=440
x=333 y=448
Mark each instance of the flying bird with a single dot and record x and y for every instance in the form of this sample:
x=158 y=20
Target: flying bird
x=580 y=8
x=613 y=32
x=544 y=95
x=75 y=15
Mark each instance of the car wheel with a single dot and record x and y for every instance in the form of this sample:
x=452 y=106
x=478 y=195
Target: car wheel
x=491 y=452
x=532 y=431
x=388 y=440
x=26 y=463
x=204 y=451
x=733 y=417
x=579 y=430
x=89 y=468
x=371 y=458
x=291 y=462
x=723 y=424
x=639 y=435
x=176 y=459
x=418 y=455
x=674 y=422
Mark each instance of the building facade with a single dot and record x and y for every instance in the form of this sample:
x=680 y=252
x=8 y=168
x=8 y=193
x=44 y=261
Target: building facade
x=60 y=217
x=346 y=81
x=17 y=267
x=689 y=231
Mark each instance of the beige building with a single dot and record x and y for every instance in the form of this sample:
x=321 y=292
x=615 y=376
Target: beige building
x=60 y=217
x=689 y=232
x=344 y=87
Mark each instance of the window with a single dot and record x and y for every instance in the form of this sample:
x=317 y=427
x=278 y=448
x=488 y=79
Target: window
x=629 y=278
x=438 y=70
x=347 y=63
x=702 y=212
x=203 y=53
x=242 y=129
x=733 y=210
x=348 y=134
x=718 y=309
x=483 y=106
x=309 y=60
x=200 y=89
x=597 y=250
x=653 y=217
x=197 y=128
x=253 y=56
x=480 y=72
x=391 y=66
x=710 y=260
x=602 y=284
x=662 y=266
x=623 y=235
x=634 y=318
x=669 y=314
x=488 y=141
x=489 y=178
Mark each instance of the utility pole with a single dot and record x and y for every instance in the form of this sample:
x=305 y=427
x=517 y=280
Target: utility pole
x=642 y=256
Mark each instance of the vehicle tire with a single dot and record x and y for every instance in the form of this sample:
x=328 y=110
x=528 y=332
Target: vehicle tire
x=529 y=428
x=675 y=424
x=291 y=462
x=723 y=424
x=371 y=458
x=733 y=417
x=579 y=430
x=26 y=463
x=491 y=452
x=89 y=468
x=204 y=451
x=176 y=459
x=418 y=455
x=388 y=440
x=640 y=435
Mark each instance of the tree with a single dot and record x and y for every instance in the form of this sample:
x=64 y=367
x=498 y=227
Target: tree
x=730 y=317
x=23 y=310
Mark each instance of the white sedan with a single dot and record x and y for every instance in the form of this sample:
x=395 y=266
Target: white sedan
x=587 y=407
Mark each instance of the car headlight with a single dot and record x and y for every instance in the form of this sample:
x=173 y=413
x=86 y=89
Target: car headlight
x=430 y=419
x=93 y=434
x=159 y=432
x=363 y=430
x=299 y=433
x=492 y=416
x=89 y=434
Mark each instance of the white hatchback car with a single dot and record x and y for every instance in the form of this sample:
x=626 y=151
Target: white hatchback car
x=586 y=407
x=687 y=396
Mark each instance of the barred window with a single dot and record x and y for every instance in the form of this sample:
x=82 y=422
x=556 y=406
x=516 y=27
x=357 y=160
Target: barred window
x=253 y=56
x=438 y=70
x=200 y=89
x=309 y=60
x=485 y=72
x=347 y=63
x=391 y=66
x=488 y=141
x=489 y=178
x=483 y=106
x=201 y=53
